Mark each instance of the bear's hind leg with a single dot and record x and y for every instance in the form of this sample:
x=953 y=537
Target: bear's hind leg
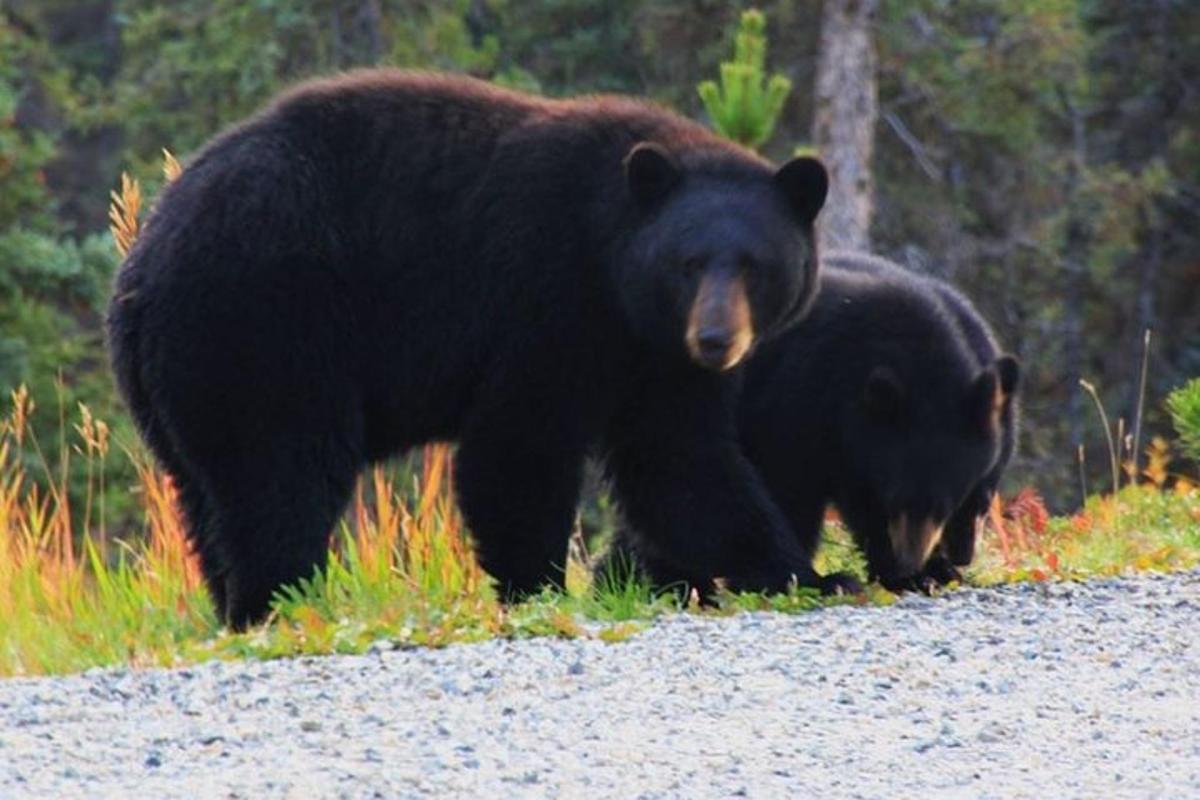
x=195 y=504
x=197 y=511
x=518 y=487
x=273 y=528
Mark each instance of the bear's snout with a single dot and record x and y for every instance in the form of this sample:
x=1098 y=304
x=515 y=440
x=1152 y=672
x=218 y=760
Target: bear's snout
x=720 y=329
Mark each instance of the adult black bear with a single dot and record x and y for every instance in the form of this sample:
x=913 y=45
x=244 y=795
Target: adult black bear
x=893 y=403
x=387 y=258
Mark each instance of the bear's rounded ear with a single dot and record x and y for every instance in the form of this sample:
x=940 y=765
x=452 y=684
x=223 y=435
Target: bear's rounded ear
x=805 y=183
x=884 y=394
x=1009 y=370
x=651 y=172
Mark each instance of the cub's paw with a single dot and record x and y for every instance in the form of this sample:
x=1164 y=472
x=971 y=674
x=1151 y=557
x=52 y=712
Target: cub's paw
x=839 y=583
x=937 y=574
x=912 y=583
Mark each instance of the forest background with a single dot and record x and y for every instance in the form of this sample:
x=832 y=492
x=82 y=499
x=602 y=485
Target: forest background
x=1044 y=155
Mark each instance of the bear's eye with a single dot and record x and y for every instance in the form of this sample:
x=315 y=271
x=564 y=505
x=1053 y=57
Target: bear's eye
x=693 y=265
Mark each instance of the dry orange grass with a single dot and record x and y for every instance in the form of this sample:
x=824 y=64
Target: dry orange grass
x=124 y=213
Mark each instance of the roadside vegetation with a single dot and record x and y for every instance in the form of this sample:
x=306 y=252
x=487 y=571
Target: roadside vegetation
x=95 y=569
x=402 y=572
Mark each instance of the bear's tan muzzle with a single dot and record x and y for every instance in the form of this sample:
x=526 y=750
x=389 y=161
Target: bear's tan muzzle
x=720 y=327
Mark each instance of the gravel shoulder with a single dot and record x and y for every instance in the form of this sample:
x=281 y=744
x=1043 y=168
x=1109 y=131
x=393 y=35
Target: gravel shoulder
x=1062 y=690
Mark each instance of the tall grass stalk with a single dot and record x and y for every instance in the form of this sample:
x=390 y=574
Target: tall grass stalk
x=1141 y=401
x=1081 y=459
x=1112 y=449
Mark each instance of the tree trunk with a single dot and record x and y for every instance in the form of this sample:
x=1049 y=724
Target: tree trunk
x=1150 y=257
x=844 y=120
x=370 y=17
x=1075 y=272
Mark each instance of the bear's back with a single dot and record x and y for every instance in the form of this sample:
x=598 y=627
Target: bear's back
x=868 y=313
x=344 y=162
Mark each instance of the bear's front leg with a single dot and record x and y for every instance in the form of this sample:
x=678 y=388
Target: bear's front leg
x=696 y=503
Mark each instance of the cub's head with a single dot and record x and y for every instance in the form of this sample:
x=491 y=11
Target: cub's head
x=722 y=255
x=921 y=441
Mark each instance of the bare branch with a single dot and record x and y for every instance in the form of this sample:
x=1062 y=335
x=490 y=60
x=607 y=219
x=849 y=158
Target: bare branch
x=919 y=151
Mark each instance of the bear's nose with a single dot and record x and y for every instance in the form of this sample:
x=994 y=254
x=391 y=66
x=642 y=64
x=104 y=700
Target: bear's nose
x=713 y=344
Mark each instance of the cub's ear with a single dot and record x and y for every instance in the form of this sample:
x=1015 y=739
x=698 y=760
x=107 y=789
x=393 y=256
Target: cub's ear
x=651 y=172
x=805 y=183
x=884 y=394
x=1009 y=370
x=988 y=398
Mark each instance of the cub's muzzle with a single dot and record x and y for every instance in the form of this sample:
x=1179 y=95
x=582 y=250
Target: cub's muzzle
x=720 y=329
x=912 y=543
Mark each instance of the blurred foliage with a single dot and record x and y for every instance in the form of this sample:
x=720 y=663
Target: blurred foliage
x=1184 y=404
x=24 y=150
x=1043 y=154
x=53 y=286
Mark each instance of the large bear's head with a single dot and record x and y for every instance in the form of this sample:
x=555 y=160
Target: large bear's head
x=723 y=254
x=920 y=435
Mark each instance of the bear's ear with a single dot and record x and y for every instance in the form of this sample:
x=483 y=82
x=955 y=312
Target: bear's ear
x=805 y=183
x=650 y=172
x=884 y=394
x=1009 y=370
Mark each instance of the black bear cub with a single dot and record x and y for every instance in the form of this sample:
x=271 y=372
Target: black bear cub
x=890 y=402
x=893 y=403
x=385 y=258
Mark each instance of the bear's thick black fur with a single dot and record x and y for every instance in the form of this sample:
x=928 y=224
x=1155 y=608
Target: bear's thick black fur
x=387 y=258
x=891 y=402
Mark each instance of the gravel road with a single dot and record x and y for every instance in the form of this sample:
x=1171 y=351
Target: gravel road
x=1026 y=691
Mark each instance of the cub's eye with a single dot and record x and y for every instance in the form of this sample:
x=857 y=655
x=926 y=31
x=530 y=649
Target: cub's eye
x=693 y=265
